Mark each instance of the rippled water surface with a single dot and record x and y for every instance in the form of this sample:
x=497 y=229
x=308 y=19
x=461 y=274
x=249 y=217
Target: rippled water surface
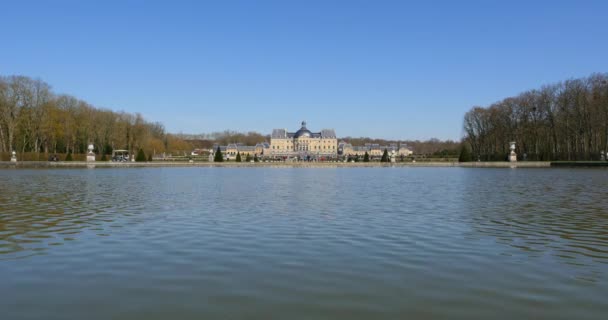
x=296 y=243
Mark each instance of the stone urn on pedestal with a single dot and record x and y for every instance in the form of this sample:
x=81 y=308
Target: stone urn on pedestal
x=90 y=154
x=14 y=156
x=513 y=155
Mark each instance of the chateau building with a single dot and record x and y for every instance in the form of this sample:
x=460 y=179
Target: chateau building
x=303 y=143
x=307 y=145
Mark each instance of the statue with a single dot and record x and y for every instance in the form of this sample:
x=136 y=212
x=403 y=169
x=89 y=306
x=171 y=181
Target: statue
x=513 y=155
x=90 y=154
x=14 y=156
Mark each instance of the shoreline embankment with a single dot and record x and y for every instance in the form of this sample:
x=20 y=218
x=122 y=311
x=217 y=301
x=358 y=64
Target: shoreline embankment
x=166 y=164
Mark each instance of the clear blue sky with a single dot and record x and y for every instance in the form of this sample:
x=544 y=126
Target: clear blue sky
x=402 y=70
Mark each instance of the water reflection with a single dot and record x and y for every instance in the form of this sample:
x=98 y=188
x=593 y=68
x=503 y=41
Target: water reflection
x=557 y=213
x=319 y=243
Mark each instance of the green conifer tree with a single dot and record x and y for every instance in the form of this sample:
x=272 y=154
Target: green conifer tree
x=255 y=158
x=68 y=157
x=104 y=157
x=248 y=158
x=218 y=155
x=150 y=157
x=385 y=156
x=238 y=156
x=366 y=157
x=141 y=156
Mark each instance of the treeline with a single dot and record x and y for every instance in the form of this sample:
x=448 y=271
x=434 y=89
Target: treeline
x=207 y=140
x=34 y=119
x=563 y=121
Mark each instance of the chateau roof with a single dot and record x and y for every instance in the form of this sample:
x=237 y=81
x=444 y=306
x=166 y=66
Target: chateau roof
x=328 y=133
x=246 y=148
x=279 y=134
x=303 y=132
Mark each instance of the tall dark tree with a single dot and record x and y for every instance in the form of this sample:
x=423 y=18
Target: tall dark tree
x=385 y=157
x=238 y=156
x=248 y=158
x=366 y=157
x=141 y=156
x=218 y=155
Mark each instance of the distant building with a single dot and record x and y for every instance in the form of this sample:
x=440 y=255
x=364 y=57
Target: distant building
x=303 y=143
x=199 y=152
x=231 y=150
x=374 y=150
x=262 y=149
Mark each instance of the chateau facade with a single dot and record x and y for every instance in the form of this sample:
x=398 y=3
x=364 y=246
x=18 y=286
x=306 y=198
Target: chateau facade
x=304 y=143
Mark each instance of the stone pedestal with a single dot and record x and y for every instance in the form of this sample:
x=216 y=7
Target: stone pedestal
x=512 y=155
x=90 y=154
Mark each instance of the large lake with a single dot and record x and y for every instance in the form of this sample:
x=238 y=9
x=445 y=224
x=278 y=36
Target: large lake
x=297 y=243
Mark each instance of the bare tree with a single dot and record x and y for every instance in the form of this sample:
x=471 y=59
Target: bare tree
x=33 y=119
x=564 y=121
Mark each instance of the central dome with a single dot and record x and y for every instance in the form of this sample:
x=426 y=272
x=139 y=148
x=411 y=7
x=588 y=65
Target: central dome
x=303 y=132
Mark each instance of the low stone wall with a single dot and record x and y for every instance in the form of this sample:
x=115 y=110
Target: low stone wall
x=505 y=164
x=579 y=164
x=99 y=164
